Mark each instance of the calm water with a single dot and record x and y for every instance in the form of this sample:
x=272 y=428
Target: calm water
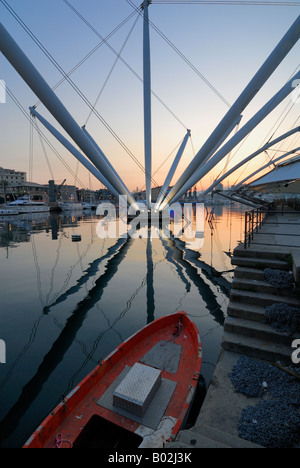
x=66 y=305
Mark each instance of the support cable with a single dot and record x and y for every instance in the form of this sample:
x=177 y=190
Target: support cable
x=122 y=60
x=45 y=154
x=226 y=2
x=87 y=102
x=184 y=58
x=111 y=70
x=33 y=124
x=86 y=57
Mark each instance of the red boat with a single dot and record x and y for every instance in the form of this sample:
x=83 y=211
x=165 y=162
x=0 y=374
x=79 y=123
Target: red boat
x=138 y=397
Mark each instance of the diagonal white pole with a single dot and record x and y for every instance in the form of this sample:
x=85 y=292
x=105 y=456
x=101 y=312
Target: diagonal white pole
x=263 y=74
x=86 y=163
x=165 y=187
x=249 y=158
x=240 y=135
x=43 y=91
x=172 y=170
x=101 y=152
x=266 y=166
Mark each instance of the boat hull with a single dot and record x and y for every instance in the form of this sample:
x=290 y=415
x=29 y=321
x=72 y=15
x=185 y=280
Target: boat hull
x=8 y=212
x=32 y=209
x=91 y=400
x=71 y=206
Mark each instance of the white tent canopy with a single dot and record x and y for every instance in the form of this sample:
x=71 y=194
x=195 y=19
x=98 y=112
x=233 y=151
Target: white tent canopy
x=283 y=174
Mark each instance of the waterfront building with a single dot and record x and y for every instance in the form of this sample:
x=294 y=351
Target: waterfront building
x=36 y=191
x=10 y=176
x=140 y=195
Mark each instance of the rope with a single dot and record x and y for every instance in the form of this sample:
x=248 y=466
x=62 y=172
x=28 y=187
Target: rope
x=45 y=154
x=21 y=108
x=81 y=95
x=122 y=60
x=111 y=70
x=59 y=441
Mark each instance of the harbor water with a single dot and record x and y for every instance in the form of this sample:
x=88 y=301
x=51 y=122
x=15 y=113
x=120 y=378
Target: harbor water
x=67 y=302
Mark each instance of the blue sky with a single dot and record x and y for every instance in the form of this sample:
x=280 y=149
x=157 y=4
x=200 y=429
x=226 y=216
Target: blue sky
x=227 y=44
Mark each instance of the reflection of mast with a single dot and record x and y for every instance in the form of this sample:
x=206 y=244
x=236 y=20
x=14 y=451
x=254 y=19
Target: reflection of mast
x=91 y=271
x=150 y=288
x=205 y=292
x=54 y=226
x=59 y=348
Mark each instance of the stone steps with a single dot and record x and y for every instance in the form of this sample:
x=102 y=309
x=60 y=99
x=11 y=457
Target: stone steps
x=256 y=348
x=205 y=436
x=261 y=286
x=262 y=299
x=246 y=311
x=259 y=330
x=265 y=253
x=260 y=263
x=241 y=272
x=245 y=333
x=244 y=329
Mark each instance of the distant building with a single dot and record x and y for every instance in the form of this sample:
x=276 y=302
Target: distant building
x=10 y=176
x=67 y=193
x=18 y=186
x=85 y=195
x=155 y=191
x=104 y=195
x=36 y=191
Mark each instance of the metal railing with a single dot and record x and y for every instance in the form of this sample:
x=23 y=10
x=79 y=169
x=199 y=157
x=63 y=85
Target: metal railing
x=253 y=222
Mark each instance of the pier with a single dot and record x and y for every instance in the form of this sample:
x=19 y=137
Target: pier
x=274 y=243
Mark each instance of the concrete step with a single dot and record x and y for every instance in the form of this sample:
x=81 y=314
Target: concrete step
x=249 y=273
x=260 y=263
x=266 y=252
x=195 y=440
x=225 y=438
x=256 y=348
x=246 y=311
x=259 y=330
x=262 y=299
x=260 y=286
x=175 y=445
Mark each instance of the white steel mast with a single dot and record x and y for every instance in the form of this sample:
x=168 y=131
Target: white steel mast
x=238 y=137
x=43 y=91
x=274 y=161
x=147 y=103
x=260 y=78
x=172 y=170
x=249 y=158
x=86 y=163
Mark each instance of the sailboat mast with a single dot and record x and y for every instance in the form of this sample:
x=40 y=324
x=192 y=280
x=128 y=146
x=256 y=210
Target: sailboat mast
x=147 y=102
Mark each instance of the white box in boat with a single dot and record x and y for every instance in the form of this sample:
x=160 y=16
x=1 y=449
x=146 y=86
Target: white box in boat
x=137 y=389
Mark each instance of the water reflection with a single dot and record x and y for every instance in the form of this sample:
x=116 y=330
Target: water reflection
x=66 y=305
x=150 y=275
x=61 y=345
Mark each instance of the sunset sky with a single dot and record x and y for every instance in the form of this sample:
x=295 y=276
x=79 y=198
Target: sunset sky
x=226 y=44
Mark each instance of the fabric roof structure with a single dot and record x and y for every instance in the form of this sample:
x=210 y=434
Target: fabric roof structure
x=283 y=177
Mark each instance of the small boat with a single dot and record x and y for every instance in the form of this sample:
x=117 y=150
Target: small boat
x=8 y=212
x=139 y=396
x=26 y=205
x=76 y=237
x=89 y=206
x=66 y=206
